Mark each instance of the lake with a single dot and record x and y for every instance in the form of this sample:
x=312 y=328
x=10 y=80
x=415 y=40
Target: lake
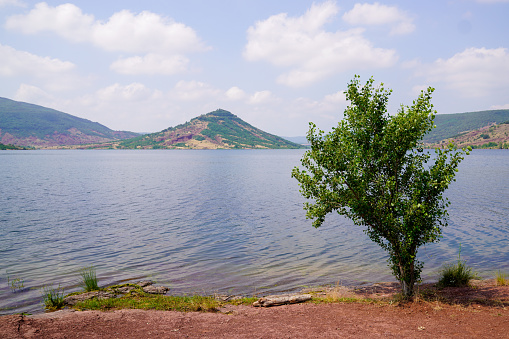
x=203 y=222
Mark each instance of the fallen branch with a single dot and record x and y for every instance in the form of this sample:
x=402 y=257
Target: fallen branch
x=281 y=300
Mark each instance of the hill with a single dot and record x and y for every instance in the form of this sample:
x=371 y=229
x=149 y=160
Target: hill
x=491 y=136
x=218 y=129
x=24 y=124
x=452 y=125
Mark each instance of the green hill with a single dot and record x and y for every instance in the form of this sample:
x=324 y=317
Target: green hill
x=218 y=129
x=25 y=124
x=451 y=125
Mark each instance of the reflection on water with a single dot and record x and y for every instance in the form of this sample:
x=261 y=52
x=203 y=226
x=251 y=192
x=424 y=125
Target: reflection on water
x=210 y=221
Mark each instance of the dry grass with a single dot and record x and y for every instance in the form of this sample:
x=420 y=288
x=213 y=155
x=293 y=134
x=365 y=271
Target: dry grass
x=502 y=279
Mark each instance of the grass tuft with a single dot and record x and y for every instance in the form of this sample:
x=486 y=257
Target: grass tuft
x=502 y=279
x=53 y=298
x=16 y=284
x=89 y=279
x=456 y=275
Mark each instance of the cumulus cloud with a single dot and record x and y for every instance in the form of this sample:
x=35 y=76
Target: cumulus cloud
x=474 y=72
x=33 y=94
x=235 y=93
x=145 y=32
x=378 y=14
x=151 y=64
x=194 y=90
x=261 y=97
x=335 y=102
x=336 y=98
x=312 y=53
x=132 y=92
x=66 y=20
x=14 y=62
x=160 y=39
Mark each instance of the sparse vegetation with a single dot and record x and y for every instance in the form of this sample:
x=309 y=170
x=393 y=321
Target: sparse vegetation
x=16 y=284
x=502 y=279
x=53 y=298
x=89 y=279
x=141 y=300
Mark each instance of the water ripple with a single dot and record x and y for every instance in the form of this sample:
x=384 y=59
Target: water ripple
x=210 y=221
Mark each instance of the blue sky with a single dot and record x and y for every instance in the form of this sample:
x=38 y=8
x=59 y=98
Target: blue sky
x=147 y=65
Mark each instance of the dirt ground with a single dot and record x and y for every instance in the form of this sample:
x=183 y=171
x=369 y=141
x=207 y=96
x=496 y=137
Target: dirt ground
x=479 y=312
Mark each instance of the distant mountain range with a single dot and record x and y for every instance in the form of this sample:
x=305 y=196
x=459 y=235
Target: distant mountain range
x=219 y=129
x=24 y=124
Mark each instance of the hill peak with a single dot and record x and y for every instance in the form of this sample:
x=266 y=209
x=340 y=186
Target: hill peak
x=216 y=129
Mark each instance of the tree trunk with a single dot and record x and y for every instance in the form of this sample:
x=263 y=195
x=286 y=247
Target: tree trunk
x=407 y=289
x=407 y=279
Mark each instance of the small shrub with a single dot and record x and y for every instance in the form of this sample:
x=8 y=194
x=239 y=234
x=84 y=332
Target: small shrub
x=456 y=275
x=485 y=136
x=502 y=279
x=89 y=279
x=53 y=298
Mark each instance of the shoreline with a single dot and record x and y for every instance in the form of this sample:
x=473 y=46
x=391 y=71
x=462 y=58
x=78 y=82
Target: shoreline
x=478 y=311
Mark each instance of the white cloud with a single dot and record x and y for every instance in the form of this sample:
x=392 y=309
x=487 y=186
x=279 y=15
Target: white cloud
x=33 y=94
x=162 y=41
x=132 y=92
x=417 y=89
x=235 y=93
x=475 y=72
x=506 y=106
x=378 y=14
x=194 y=90
x=145 y=32
x=310 y=51
x=151 y=64
x=66 y=20
x=14 y=62
x=261 y=97
x=336 y=98
x=335 y=102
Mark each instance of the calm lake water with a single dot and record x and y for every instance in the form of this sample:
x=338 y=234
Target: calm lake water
x=210 y=222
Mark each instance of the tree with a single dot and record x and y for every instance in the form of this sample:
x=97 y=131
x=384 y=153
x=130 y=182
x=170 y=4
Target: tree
x=373 y=169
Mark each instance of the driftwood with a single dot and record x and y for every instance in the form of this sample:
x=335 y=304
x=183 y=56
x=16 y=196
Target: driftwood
x=281 y=300
x=155 y=289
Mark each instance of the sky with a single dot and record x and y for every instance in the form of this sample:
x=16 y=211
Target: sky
x=144 y=66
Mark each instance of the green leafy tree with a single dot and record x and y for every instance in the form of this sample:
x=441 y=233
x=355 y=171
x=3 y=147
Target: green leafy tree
x=372 y=168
